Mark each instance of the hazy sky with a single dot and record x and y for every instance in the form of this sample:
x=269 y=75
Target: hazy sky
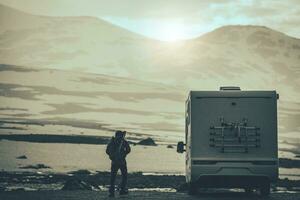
x=184 y=19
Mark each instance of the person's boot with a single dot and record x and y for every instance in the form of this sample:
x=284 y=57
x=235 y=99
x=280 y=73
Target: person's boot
x=123 y=192
x=111 y=192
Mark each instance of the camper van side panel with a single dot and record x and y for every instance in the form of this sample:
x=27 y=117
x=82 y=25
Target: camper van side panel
x=188 y=138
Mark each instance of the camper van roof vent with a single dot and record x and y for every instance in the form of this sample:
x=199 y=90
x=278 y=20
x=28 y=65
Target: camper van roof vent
x=230 y=88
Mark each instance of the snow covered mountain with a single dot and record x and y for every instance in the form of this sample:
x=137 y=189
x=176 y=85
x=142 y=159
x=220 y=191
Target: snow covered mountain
x=252 y=57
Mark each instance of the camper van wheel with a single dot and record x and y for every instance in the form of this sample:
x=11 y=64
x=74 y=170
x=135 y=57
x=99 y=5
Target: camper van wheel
x=248 y=190
x=192 y=190
x=265 y=189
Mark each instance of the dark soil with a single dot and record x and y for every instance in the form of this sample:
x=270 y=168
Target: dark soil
x=84 y=179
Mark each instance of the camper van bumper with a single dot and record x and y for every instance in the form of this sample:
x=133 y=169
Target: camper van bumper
x=232 y=181
x=267 y=171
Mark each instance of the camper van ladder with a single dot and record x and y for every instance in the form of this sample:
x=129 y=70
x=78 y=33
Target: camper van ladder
x=234 y=137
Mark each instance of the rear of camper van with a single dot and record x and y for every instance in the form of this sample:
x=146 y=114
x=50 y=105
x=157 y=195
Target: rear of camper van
x=231 y=139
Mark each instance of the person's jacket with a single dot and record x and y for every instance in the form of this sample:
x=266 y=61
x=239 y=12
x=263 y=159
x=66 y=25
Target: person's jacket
x=117 y=150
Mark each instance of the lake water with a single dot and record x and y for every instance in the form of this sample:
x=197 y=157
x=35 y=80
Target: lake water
x=64 y=158
x=70 y=157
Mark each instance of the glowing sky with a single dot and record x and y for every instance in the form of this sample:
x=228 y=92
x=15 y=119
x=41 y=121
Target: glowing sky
x=174 y=19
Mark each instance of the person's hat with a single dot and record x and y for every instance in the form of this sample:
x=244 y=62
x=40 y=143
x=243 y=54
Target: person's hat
x=120 y=133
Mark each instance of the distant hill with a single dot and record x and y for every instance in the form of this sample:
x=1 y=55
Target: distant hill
x=253 y=57
x=77 y=43
x=249 y=56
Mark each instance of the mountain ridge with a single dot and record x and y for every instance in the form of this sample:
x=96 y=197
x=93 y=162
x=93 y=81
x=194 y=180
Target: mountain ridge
x=10 y=13
x=6 y=7
x=248 y=56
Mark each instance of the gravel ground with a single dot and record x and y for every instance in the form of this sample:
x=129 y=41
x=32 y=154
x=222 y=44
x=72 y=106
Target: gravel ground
x=93 y=195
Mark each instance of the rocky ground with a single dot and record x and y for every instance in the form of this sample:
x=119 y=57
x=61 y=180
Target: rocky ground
x=99 y=181
x=146 y=195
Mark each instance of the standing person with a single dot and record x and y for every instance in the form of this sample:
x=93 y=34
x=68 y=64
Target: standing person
x=117 y=149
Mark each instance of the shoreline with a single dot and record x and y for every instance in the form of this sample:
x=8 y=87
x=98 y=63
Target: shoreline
x=52 y=138
x=99 y=181
x=145 y=195
x=103 y=140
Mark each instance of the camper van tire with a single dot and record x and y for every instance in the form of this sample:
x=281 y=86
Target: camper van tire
x=249 y=190
x=265 y=189
x=192 y=189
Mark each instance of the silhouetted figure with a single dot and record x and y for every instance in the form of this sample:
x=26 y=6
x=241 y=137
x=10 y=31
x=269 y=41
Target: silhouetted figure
x=117 y=149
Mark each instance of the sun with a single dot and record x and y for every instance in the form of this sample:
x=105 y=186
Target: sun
x=171 y=32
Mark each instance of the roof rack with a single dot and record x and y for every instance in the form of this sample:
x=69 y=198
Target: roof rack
x=230 y=88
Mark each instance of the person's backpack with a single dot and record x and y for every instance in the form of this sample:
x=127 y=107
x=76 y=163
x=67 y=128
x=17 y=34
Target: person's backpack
x=115 y=152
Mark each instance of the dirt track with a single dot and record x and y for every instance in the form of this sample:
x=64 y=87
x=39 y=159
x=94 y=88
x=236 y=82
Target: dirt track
x=92 y=195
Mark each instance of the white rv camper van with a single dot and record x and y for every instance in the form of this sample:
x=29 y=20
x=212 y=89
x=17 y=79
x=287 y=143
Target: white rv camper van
x=231 y=139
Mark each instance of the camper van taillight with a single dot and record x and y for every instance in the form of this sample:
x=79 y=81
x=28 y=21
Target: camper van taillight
x=180 y=147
